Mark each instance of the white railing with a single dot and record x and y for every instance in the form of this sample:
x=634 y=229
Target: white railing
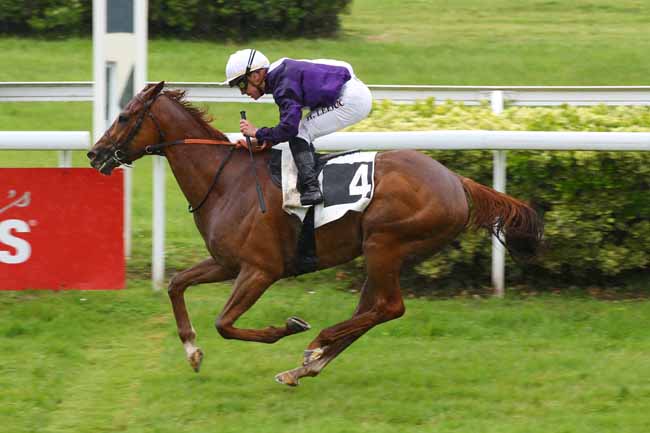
x=424 y=140
x=470 y=95
x=46 y=91
x=499 y=141
x=63 y=141
x=485 y=140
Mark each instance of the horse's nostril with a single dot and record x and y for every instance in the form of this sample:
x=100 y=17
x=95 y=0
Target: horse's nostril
x=91 y=155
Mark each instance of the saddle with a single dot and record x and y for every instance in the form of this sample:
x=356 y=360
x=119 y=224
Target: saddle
x=320 y=159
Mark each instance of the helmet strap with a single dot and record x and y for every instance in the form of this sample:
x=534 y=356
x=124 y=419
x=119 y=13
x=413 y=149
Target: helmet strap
x=251 y=57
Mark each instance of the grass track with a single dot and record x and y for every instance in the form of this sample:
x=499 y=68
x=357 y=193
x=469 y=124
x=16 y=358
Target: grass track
x=473 y=42
x=102 y=361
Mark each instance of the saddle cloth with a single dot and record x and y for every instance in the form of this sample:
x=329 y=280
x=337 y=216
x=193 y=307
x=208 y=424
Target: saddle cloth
x=347 y=183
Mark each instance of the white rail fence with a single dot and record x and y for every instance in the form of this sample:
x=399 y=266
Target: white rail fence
x=470 y=95
x=484 y=140
x=499 y=141
x=63 y=141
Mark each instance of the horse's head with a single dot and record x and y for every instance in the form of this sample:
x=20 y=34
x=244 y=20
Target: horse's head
x=129 y=135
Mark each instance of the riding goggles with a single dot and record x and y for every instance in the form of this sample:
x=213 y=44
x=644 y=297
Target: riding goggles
x=241 y=82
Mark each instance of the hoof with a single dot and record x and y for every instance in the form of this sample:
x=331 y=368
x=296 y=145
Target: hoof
x=287 y=378
x=296 y=324
x=195 y=360
x=311 y=355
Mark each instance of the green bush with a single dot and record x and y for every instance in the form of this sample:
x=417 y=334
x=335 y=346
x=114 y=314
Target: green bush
x=221 y=19
x=596 y=205
x=45 y=17
x=213 y=20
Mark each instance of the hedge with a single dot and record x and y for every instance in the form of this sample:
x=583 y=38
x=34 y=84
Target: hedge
x=213 y=20
x=595 y=205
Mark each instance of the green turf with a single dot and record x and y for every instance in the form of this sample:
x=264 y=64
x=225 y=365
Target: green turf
x=499 y=42
x=100 y=361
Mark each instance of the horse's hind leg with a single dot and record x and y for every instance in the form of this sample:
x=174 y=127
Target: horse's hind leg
x=207 y=271
x=315 y=358
x=380 y=301
x=250 y=284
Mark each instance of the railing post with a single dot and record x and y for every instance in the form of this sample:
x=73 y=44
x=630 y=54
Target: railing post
x=158 y=229
x=65 y=158
x=499 y=184
x=498 y=252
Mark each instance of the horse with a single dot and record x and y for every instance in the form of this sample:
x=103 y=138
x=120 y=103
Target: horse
x=419 y=206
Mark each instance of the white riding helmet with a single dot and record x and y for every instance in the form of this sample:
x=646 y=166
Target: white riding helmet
x=243 y=62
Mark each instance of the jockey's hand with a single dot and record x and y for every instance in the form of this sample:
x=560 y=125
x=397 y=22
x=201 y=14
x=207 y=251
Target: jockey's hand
x=247 y=128
x=256 y=146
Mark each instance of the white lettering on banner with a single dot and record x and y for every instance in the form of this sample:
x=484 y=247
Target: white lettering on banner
x=23 y=250
x=22 y=201
x=22 y=247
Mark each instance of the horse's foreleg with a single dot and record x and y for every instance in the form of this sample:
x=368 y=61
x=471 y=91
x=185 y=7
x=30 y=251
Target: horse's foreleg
x=249 y=286
x=207 y=271
x=380 y=301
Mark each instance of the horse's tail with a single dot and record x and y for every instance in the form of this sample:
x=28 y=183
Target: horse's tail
x=500 y=213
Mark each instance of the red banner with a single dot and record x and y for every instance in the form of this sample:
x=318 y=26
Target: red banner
x=61 y=228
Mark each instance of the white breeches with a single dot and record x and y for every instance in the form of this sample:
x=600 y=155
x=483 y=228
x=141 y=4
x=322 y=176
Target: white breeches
x=353 y=105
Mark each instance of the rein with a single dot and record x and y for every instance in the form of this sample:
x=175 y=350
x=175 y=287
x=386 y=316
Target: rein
x=158 y=149
x=224 y=161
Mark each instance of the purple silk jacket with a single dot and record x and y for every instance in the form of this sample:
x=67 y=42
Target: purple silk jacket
x=296 y=84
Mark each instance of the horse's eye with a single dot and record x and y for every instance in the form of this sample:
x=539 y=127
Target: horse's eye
x=123 y=118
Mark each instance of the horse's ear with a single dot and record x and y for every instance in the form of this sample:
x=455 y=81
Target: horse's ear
x=152 y=90
x=158 y=87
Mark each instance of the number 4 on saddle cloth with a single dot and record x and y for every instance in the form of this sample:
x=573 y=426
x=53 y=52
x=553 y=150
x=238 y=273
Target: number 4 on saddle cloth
x=347 y=182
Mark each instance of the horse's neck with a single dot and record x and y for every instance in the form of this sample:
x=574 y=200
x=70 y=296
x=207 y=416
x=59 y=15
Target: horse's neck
x=194 y=166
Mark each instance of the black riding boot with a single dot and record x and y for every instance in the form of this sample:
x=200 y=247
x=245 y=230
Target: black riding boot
x=303 y=155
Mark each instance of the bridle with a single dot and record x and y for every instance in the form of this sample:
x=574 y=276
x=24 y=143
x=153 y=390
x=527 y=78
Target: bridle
x=118 y=150
x=119 y=153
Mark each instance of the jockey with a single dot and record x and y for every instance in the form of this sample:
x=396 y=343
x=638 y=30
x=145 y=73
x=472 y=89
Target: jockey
x=335 y=97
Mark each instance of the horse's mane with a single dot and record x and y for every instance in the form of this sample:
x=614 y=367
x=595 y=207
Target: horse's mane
x=201 y=115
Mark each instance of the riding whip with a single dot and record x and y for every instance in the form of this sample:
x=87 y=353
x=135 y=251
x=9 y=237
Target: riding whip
x=260 y=196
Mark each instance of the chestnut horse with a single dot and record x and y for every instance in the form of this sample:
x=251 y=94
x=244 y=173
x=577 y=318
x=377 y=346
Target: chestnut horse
x=419 y=206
